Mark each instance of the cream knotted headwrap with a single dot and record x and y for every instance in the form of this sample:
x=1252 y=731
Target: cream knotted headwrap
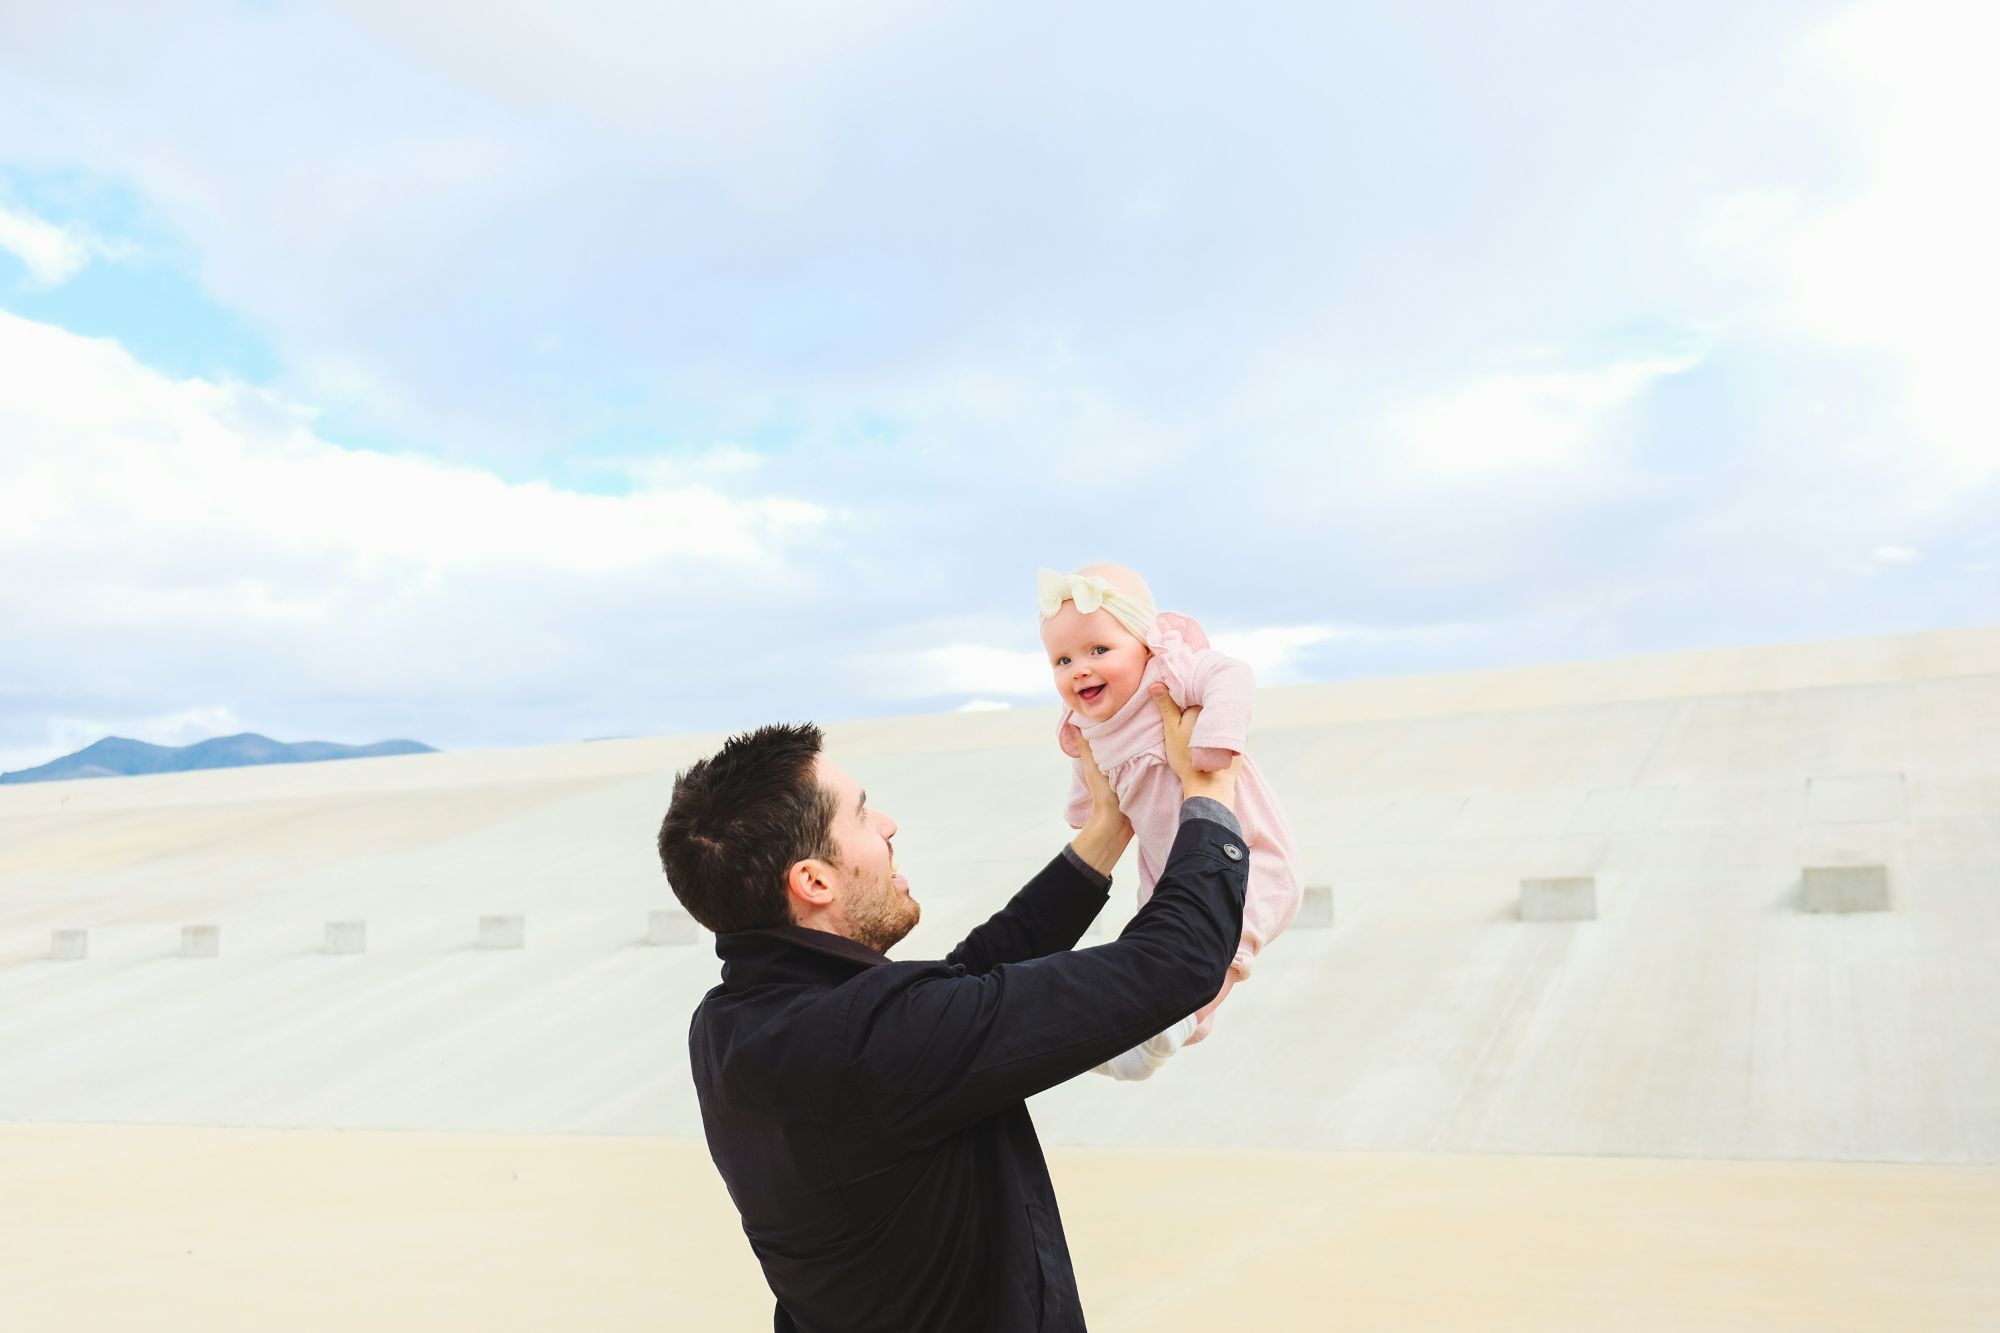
x=1091 y=593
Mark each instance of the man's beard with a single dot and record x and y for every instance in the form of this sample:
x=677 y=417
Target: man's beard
x=884 y=918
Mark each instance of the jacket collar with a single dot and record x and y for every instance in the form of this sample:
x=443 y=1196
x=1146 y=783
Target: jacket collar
x=790 y=955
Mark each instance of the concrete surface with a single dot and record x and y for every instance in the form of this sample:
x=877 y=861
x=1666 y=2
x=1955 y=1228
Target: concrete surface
x=211 y=1231
x=1703 y=1016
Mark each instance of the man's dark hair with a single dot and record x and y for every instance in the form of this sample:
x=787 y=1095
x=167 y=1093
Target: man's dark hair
x=739 y=820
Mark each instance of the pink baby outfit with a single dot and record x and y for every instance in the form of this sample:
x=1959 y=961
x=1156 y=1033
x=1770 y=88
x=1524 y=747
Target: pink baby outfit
x=1130 y=746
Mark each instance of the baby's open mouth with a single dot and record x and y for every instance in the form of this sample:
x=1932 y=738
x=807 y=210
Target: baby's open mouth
x=1089 y=696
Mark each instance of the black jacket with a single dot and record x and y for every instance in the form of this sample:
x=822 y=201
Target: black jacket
x=867 y=1115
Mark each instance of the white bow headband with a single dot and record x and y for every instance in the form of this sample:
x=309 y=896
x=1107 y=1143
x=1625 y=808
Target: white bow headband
x=1091 y=593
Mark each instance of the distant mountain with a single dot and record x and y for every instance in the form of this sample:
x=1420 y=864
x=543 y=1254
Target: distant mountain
x=114 y=756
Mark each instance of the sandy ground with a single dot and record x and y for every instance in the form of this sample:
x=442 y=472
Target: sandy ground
x=106 y=1228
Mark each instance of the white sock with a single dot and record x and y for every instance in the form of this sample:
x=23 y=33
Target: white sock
x=1139 y=1063
x=1126 y=1066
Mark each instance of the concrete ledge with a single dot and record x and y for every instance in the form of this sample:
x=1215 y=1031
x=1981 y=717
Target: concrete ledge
x=1569 y=898
x=69 y=946
x=503 y=932
x=669 y=927
x=1316 y=908
x=347 y=937
x=201 y=941
x=1851 y=888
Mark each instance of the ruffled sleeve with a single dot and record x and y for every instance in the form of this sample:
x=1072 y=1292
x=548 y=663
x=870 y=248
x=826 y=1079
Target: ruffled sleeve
x=1196 y=674
x=1176 y=643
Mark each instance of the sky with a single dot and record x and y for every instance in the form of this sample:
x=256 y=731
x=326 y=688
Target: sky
x=496 y=374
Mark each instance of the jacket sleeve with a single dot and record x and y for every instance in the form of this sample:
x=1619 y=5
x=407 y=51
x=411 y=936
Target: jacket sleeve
x=1270 y=904
x=934 y=1047
x=1049 y=914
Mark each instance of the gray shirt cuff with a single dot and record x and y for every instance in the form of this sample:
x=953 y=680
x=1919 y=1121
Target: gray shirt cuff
x=1088 y=871
x=1204 y=807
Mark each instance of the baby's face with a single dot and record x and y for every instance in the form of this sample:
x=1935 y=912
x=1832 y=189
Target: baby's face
x=1097 y=662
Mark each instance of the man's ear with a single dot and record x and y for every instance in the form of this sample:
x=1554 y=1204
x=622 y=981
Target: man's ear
x=809 y=885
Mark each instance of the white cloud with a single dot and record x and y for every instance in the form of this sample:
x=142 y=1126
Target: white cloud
x=168 y=541
x=1271 y=650
x=970 y=668
x=983 y=706
x=717 y=465
x=96 y=444
x=1896 y=555
x=1901 y=268
x=52 y=254
x=737 y=92
x=1528 y=419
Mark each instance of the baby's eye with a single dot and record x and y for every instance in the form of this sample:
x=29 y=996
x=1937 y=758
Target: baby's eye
x=1062 y=661
x=1099 y=650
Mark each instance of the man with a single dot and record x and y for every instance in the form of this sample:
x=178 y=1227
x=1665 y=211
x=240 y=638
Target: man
x=867 y=1115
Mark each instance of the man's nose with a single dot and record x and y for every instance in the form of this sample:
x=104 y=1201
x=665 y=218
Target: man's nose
x=888 y=827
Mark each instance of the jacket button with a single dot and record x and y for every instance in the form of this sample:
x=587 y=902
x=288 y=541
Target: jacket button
x=1232 y=851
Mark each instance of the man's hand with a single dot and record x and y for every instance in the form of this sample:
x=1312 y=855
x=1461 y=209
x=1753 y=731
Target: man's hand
x=1104 y=836
x=1179 y=727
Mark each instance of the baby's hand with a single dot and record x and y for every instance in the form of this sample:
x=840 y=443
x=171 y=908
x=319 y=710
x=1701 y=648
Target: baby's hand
x=1177 y=725
x=1210 y=758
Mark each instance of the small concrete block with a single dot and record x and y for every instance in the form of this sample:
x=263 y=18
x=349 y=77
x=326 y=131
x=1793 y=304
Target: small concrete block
x=1316 y=909
x=201 y=941
x=503 y=932
x=1856 y=888
x=347 y=937
x=669 y=927
x=69 y=946
x=1573 y=898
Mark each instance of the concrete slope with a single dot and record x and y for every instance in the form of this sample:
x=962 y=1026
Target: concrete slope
x=1702 y=1013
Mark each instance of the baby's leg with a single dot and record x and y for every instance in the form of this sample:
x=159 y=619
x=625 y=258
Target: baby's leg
x=1140 y=1062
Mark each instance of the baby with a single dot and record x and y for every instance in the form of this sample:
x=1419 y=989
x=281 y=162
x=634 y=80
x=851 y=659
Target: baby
x=1107 y=645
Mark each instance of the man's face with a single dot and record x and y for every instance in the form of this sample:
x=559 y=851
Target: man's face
x=875 y=901
x=1097 y=662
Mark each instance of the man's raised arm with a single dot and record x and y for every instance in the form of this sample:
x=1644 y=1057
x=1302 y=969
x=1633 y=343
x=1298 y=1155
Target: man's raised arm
x=1053 y=909
x=991 y=1039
